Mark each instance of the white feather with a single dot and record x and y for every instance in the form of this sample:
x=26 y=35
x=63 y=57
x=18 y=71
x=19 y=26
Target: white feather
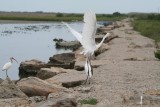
x=7 y=66
x=75 y=33
x=89 y=30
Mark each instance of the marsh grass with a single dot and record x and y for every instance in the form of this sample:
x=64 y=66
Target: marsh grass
x=91 y=101
x=157 y=54
x=148 y=28
x=40 y=16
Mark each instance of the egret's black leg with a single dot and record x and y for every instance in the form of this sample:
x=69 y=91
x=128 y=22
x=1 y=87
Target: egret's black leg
x=87 y=72
x=89 y=80
x=6 y=74
x=86 y=80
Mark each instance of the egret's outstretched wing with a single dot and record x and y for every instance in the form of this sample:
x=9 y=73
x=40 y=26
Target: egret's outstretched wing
x=106 y=36
x=89 y=30
x=74 y=32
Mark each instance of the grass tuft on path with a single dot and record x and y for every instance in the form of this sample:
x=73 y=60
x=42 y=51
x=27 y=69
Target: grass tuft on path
x=91 y=101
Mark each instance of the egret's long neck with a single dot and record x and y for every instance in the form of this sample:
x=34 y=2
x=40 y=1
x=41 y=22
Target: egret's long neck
x=98 y=45
x=11 y=60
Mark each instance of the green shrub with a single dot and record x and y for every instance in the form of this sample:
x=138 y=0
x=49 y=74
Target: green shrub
x=59 y=14
x=157 y=54
x=91 y=101
x=148 y=28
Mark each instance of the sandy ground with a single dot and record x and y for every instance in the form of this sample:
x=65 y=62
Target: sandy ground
x=118 y=76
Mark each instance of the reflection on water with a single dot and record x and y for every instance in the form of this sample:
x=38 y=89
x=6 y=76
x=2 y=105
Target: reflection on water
x=31 y=41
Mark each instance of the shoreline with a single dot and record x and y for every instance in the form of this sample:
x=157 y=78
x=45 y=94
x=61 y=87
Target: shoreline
x=126 y=71
x=23 y=22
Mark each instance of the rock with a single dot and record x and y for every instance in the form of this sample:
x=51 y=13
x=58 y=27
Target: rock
x=103 y=30
x=85 y=89
x=61 y=99
x=30 y=68
x=78 y=55
x=14 y=102
x=46 y=73
x=157 y=45
x=68 y=102
x=68 y=45
x=115 y=24
x=99 y=38
x=105 y=23
x=149 y=45
x=70 y=79
x=64 y=60
x=33 y=86
x=136 y=59
x=9 y=90
x=57 y=40
x=103 y=48
x=95 y=63
x=1 y=80
x=133 y=45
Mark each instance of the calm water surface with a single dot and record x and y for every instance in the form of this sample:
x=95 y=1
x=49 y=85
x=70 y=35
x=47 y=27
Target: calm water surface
x=31 y=41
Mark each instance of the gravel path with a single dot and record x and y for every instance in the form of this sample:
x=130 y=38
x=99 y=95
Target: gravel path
x=131 y=68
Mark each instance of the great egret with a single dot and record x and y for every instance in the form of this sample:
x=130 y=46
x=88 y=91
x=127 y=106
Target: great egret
x=87 y=40
x=8 y=65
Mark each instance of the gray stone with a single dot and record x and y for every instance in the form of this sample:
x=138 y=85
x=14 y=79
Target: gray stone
x=30 y=68
x=68 y=102
x=64 y=60
x=103 y=48
x=70 y=79
x=95 y=63
x=61 y=99
x=14 y=102
x=9 y=90
x=1 y=80
x=46 y=73
x=68 y=45
x=33 y=86
x=103 y=30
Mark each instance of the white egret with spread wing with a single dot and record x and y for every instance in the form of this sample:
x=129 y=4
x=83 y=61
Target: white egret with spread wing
x=8 y=65
x=87 y=40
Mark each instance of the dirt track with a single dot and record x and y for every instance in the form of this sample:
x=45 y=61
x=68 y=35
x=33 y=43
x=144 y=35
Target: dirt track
x=131 y=69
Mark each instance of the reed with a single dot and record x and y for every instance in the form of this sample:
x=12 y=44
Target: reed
x=40 y=16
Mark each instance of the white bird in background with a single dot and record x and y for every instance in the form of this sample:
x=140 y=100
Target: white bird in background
x=87 y=40
x=8 y=65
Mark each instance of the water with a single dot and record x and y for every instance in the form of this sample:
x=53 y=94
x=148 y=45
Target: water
x=31 y=41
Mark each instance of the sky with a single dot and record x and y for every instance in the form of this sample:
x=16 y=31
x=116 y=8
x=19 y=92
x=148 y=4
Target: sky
x=80 y=6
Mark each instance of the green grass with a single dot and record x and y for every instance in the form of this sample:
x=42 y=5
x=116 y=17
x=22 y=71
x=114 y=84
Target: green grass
x=40 y=16
x=148 y=28
x=91 y=101
x=157 y=54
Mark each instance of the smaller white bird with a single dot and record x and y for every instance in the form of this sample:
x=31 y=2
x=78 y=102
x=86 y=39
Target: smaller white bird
x=8 y=65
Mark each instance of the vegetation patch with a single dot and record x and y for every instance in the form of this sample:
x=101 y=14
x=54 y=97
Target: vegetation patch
x=91 y=101
x=42 y=16
x=157 y=54
x=148 y=28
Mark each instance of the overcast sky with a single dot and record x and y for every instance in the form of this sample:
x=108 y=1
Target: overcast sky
x=80 y=6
